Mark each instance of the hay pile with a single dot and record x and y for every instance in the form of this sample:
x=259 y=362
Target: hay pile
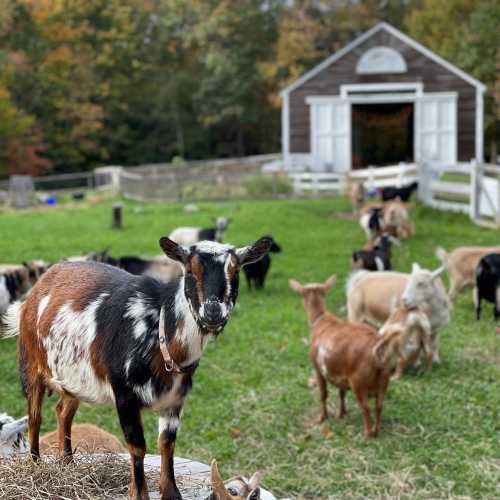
x=101 y=477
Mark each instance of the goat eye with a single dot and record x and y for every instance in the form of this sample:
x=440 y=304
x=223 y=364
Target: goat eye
x=232 y=491
x=255 y=494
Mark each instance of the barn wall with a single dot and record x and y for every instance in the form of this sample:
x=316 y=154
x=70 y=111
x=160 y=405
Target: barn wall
x=435 y=78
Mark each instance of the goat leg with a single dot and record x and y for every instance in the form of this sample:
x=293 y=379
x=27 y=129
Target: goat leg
x=130 y=420
x=65 y=410
x=168 y=423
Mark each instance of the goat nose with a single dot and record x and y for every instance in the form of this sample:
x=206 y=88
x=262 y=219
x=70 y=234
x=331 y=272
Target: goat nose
x=212 y=312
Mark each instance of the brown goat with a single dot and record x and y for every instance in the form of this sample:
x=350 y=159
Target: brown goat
x=86 y=437
x=348 y=355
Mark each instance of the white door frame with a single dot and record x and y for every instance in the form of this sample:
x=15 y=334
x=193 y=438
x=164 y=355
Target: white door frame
x=383 y=93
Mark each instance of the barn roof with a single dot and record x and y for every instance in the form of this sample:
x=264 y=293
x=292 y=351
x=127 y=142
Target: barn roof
x=396 y=33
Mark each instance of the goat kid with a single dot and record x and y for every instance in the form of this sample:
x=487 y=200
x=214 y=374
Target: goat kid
x=12 y=440
x=376 y=256
x=349 y=355
x=237 y=488
x=256 y=273
x=461 y=264
x=372 y=222
x=371 y=297
x=417 y=334
x=188 y=236
x=403 y=193
x=97 y=334
x=488 y=284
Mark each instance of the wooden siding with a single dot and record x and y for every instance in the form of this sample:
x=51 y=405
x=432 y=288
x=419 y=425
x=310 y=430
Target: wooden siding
x=434 y=77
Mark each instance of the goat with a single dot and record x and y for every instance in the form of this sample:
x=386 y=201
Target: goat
x=403 y=193
x=237 y=488
x=378 y=257
x=349 y=355
x=16 y=280
x=396 y=216
x=12 y=440
x=418 y=336
x=257 y=271
x=488 y=284
x=371 y=297
x=87 y=438
x=371 y=222
x=159 y=267
x=356 y=193
x=190 y=235
x=95 y=333
x=461 y=264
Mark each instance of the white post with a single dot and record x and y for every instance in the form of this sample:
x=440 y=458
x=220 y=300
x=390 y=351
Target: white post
x=371 y=178
x=474 y=194
x=285 y=130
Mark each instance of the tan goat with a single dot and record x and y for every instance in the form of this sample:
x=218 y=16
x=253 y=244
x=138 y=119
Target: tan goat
x=86 y=438
x=236 y=488
x=417 y=333
x=396 y=215
x=355 y=192
x=349 y=355
x=461 y=265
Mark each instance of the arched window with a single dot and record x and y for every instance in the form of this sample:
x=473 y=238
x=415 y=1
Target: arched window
x=381 y=60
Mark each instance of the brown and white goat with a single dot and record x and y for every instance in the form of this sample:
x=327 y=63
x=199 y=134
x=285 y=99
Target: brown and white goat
x=417 y=336
x=461 y=264
x=236 y=488
x=349 y=355
x=97 y=334
x=396 y=216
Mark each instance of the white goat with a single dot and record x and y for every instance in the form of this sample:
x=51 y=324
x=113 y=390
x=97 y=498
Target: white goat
x=371 y=297
x=12 y=440
x=188 y=236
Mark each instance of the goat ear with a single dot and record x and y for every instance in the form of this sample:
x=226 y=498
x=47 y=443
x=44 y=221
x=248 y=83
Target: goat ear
x=254 y=481
x=330 y=282
x=174 y=250
x=295 y=285
x=437 y=272
x=415 y=268
x=253 y=253
x=218 y=488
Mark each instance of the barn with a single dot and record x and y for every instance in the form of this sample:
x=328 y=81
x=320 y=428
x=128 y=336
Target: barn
x=382 y=99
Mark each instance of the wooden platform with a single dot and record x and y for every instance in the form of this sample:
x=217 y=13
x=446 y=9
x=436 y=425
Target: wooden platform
x=193 y=478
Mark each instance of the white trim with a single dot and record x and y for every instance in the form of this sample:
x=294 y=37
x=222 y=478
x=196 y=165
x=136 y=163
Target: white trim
x=285 y=129
x=479 y=127
x=378 y=98
x=398 y=34
x=380 y=87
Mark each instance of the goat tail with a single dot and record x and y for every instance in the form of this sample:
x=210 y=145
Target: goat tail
x=442 y=255
x=354 y=278
x=9 y=322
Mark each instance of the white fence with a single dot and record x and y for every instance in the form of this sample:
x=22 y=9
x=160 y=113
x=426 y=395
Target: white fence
x=372 y=178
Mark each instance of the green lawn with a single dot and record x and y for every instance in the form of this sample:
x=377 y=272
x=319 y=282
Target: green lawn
x=440 y=432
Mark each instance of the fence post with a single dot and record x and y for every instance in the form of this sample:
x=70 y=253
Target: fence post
x=401 y=173
x=474 y=191
x=371 y=178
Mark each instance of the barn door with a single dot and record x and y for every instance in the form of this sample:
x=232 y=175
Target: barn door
x=331 y=135
x=437 y=129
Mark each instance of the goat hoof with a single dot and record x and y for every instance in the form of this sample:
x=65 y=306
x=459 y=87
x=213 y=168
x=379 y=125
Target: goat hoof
x=321 y=419
x=171 y=494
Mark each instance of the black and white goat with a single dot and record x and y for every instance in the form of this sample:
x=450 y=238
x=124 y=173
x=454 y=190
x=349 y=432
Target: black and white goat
x=372 y=222
x=188 y=236
x=403 y=193
x=12 y=440
x=256 y=273
x=95 y=333
x=488 y=283
x=16 y=280
x=378 y=258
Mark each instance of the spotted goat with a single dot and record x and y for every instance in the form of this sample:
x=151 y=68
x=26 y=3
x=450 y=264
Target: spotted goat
x=97 y=334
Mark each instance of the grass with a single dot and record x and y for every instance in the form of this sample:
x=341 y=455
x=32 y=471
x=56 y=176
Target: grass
x=440 y=432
